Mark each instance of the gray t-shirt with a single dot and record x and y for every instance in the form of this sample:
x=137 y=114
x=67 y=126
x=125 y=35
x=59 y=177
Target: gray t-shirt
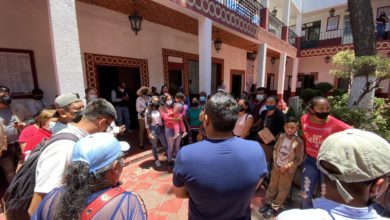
x=9 y=119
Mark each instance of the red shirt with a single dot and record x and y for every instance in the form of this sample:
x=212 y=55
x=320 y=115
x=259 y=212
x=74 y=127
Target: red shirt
x=36 y=139
x=27 y=133
x=166 y=115
x=315 y=134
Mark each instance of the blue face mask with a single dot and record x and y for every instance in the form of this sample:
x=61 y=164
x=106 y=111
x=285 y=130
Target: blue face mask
x=270 y=107
x=202 y=99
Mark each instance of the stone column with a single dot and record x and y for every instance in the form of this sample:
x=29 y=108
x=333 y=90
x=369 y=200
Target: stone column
x=298 y=30
x=264 y=14
x=205 y=44
x=66 y=47
x=286 y=19
x=294 y=78
x=281 y=75
x=261 y=63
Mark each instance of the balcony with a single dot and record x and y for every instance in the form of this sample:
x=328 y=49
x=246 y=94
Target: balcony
x=291 y=36
x=275 y=25
x=249 y=9
x=328 y=38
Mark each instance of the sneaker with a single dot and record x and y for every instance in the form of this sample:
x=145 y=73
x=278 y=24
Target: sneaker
x=264 y=208
x=157 y=163
x=184 y=134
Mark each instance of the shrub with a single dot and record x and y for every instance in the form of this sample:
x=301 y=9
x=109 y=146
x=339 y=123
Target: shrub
x=308 y=94
x=338 y=92
x=377 y=121
x=324 y=87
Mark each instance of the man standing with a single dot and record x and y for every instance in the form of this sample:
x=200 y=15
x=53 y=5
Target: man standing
x=220 y=174
x=69 y=109
x=141 y=104
x=98 y=116
x=37 y=103
x=356 y=167
x=120 y=99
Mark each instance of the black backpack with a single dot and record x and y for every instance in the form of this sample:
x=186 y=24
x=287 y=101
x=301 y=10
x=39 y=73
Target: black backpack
x=18 y=195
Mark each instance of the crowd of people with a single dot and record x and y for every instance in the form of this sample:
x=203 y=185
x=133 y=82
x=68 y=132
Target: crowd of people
x=64 y=161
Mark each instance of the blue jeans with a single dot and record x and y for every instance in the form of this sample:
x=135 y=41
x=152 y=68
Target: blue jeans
x=123 y=116
x=173 y=144
x=310 y=178
x=158 y=134
x=380 y=28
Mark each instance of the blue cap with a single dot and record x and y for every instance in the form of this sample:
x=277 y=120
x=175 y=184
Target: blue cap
x=98 y=150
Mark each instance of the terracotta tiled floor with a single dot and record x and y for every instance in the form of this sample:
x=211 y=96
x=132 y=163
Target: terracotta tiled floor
x=155 y=187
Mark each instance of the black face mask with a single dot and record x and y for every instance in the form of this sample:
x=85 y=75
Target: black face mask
x=322 y=115
x=241 y=108
x=6 y=100
x=78 y=117
x=155 y=104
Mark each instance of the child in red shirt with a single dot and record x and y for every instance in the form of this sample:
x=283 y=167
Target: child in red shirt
x=317 y=125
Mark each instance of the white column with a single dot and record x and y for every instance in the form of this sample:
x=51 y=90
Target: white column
x=261 y=63
x=294 y=76
x=298 y=25
x=205 y=45
x=286 y=12
x=265 y=3
x=66 y=46
x=281 y=74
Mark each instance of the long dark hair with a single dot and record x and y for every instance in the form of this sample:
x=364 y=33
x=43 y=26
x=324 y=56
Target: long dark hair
x=150 y=108
x=79 y=184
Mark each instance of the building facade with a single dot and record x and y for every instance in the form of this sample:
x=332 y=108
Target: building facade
x=71 y=45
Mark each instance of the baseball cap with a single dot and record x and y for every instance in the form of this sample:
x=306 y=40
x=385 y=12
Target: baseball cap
x=98 y=150
x=359 y=156
x=65 y=100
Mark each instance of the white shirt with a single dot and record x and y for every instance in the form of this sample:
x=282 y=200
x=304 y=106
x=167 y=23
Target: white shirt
x=240 y=124
x=141 y=104
x=156 y=118
x=53 y=161
x=324 y=209
x=286 y=153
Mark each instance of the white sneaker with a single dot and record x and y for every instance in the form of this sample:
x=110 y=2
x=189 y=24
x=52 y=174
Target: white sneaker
x=157 y=163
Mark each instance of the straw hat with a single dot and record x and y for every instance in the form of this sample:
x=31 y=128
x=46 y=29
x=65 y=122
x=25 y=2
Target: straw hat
x=142 y=88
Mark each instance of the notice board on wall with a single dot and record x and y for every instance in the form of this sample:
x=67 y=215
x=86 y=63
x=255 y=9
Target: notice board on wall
x=17 y=71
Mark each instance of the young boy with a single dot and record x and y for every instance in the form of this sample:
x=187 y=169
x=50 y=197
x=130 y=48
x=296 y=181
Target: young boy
x=179 y=108
x=287 y=156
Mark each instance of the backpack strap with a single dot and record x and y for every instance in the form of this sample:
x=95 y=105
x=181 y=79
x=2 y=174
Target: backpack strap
x=61 y=136
x=100 y=202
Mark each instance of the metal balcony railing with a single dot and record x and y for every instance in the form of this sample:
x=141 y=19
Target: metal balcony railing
x=249 y=9
x=275 y=25
x=291 y=36
x=328 y=38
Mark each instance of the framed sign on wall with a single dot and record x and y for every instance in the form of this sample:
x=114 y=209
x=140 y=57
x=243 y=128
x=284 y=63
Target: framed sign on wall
x=333 y=23
x=17 y=71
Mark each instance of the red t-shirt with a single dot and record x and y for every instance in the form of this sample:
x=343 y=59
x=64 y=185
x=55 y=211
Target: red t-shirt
x=36 y=139
x=27 y=133
x=315 y=134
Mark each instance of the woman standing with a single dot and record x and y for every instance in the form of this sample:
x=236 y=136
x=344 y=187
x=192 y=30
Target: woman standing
x=166 y=112
x=317 y=125
x=193 y=119
x=245 y=120
x=272 y=119
x=154 y=127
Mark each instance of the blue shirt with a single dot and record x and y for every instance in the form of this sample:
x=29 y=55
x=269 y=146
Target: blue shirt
x=220 y=176
x=126 y=206
x=324 y=209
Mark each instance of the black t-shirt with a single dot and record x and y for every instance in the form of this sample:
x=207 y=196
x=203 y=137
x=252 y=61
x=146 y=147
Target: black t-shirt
x=274 y=122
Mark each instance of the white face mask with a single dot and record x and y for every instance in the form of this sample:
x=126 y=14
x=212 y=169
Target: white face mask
x=260 y=98
x=169 y=102
x=51 y=125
